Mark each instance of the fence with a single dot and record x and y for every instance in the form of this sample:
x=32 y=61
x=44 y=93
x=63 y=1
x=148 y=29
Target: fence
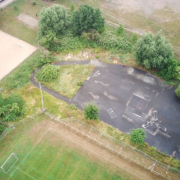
x=112 y=144
x=120 y=148
x=113 y=21
x=12 y=126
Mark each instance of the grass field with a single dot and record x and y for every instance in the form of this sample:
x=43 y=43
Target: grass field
x=46 y=150
x=69 y=77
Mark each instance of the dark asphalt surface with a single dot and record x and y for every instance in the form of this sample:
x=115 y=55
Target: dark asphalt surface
x=125 y=97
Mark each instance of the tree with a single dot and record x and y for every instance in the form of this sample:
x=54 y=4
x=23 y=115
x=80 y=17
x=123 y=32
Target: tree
x=52 y=19
x=137 y=135
x=91 y=111
x=86 y=18
x=153 y=51
x=120 y=29
x=48 y=73
x=169 y=71
x=177 y=91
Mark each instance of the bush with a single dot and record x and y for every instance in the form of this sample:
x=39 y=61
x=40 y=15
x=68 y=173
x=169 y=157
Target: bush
x=1 y=128
x=177 y=91
x=137 y=135
x=120 y=29
x=48 y=73
x=169 y=71
x=72 y=7
x=177 y=74
x=134 y=38
x=45 y=58
x=153 y=51
x=92 y=35
x=112 y=42
x=80 y=83
x=11 y=107
x=86 y=18
x=34 y=3
x=91 y=111
x=53 y=20
x=15 y=7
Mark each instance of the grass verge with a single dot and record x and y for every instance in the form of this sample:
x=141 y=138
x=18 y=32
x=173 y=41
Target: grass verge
x=70 y=79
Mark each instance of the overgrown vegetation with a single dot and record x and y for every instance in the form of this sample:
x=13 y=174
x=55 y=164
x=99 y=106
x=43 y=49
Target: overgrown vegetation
x=177 y=91
x=11 y=107
x=84 y=29
x=138 y=136
x=91 y=112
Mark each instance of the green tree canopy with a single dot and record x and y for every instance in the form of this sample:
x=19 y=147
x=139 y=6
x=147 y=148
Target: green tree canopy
x=120 y=29
x=153 y=51
x=86 y=18
x=137 y=135
x=52 y=19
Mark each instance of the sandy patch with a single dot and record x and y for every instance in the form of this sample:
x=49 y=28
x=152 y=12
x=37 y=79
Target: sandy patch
x=13 y=51
x=5 y=3
x=28 y=20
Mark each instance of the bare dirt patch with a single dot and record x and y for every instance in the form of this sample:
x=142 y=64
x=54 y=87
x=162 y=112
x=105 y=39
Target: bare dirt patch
x=28 y=20
x=13 y=52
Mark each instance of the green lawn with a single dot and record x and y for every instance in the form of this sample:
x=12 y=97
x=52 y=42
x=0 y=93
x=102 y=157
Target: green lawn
x=69 y=76
x=49 y=155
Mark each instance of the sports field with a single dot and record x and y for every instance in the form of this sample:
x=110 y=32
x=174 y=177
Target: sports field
x=47 y=150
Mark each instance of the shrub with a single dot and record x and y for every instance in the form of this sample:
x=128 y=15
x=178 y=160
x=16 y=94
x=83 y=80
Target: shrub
x=112 y=42
x=86 y=18
x=120 y=29
x=80 y=83
x=134 y=38
x=15 y=7
x=91 y=35
x=153 y=51
x=1 y=128
x=177 y=74
x=72 y=7
x=169 y=71
x=97 y=56
x=48 y=73
x=45 y=58
x=53 y=20
x=177 y=91
x=137 y=135
x=91 y=111
x=11 y=107
x=34 y=3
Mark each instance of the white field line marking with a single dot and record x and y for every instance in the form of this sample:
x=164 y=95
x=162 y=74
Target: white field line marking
x=98 y=154
x=28 y=153
x=26 y=173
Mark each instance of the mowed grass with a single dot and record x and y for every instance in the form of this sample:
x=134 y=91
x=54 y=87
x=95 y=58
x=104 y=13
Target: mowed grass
x=69 y=77
x=10 y=24
x=49 y=155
